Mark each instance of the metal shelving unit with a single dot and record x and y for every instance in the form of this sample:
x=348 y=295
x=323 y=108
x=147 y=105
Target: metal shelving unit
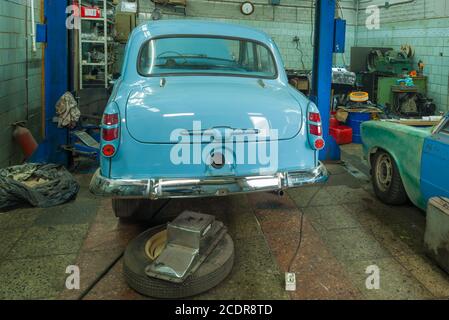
x=92 y=46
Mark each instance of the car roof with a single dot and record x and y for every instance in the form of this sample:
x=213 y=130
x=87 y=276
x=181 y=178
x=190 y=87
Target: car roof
x=198 y=27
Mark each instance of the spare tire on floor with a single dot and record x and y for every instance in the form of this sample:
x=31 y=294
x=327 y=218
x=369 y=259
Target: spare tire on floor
x=211 y=272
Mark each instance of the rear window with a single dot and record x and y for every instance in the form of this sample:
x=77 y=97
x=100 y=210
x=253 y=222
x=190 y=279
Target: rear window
x=206 y=56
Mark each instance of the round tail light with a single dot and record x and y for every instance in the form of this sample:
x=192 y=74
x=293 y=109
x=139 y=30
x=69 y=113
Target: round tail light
x=319 y=144
x=108 y=150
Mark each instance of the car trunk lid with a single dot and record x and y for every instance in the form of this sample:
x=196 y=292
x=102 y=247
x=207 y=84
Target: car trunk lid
x=155 y=112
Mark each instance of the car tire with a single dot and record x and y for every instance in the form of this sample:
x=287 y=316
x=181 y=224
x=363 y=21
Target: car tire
x=137 y=209
x=210 y=273
x=387 y=181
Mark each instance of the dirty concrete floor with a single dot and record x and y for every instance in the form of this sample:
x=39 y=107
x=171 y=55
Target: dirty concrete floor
x=345 y=230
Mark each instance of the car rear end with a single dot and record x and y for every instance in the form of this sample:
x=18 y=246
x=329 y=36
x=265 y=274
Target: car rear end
x=132 y=168
x=216 y=129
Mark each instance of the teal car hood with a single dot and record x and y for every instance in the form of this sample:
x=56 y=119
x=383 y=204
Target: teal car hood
x=156 y=110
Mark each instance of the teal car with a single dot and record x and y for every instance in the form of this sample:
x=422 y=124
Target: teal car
x=407 y=162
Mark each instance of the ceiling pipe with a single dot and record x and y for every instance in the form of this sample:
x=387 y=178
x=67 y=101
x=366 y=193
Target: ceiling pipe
x=33 y=26
x=387 y=4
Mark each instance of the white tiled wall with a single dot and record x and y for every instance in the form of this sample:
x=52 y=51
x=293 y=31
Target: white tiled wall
x=12 y=77
x=424 y=24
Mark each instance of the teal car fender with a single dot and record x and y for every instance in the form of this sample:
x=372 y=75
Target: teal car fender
x=405 y=144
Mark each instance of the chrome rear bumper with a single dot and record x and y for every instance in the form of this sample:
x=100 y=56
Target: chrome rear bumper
x=203 y=187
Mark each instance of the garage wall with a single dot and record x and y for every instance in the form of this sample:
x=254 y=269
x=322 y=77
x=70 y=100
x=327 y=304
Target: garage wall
x=425 y=25
x=13 y=66
x=282 y=22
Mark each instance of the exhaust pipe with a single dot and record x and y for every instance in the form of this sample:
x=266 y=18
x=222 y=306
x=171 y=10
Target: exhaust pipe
x=279 y=193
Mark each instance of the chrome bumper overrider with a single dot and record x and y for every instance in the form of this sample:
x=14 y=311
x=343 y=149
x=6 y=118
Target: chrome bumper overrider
x=203 y=187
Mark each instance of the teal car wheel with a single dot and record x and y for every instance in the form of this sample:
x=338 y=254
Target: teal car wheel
x=387 y=182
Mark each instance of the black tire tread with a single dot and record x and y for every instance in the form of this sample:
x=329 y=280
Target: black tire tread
x=396 y=194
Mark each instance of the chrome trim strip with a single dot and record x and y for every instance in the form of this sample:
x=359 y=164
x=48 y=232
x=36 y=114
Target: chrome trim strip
x=203 y=187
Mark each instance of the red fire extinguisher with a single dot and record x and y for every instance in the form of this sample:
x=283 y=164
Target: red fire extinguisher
x=25 y=139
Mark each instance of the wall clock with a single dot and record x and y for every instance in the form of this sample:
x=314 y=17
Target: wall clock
x=247 y=8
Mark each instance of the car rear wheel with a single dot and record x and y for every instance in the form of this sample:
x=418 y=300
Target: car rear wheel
x=137 y=209
x=387 y=181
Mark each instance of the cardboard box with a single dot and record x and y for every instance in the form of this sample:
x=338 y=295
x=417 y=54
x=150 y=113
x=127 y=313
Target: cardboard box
x=302 y=84
x=124 y=24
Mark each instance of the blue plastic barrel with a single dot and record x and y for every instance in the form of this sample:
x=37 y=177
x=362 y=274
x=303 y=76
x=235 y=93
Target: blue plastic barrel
x=355 y=120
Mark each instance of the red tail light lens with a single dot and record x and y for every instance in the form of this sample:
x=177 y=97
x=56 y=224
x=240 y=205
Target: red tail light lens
x=319 y=144
x=108 y=150
x=315 y=130
x=110 y=119
x=109 y=134
x=314 y=117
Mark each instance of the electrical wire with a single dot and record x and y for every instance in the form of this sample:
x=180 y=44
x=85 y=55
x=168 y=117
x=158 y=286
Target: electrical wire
x=299 y=243
x=302 y=55
x=301 y=228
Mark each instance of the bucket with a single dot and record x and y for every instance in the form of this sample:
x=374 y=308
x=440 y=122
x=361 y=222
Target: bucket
x=355 y=120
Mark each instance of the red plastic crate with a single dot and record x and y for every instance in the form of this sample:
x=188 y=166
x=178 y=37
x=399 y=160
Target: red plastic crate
x=342 y=134
x=334 y=122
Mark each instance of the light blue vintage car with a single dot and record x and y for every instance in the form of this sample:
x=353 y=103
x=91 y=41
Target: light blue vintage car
x=204 y=109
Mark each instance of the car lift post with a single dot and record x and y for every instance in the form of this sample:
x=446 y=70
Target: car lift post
x=322 y=71
x=55 y=35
